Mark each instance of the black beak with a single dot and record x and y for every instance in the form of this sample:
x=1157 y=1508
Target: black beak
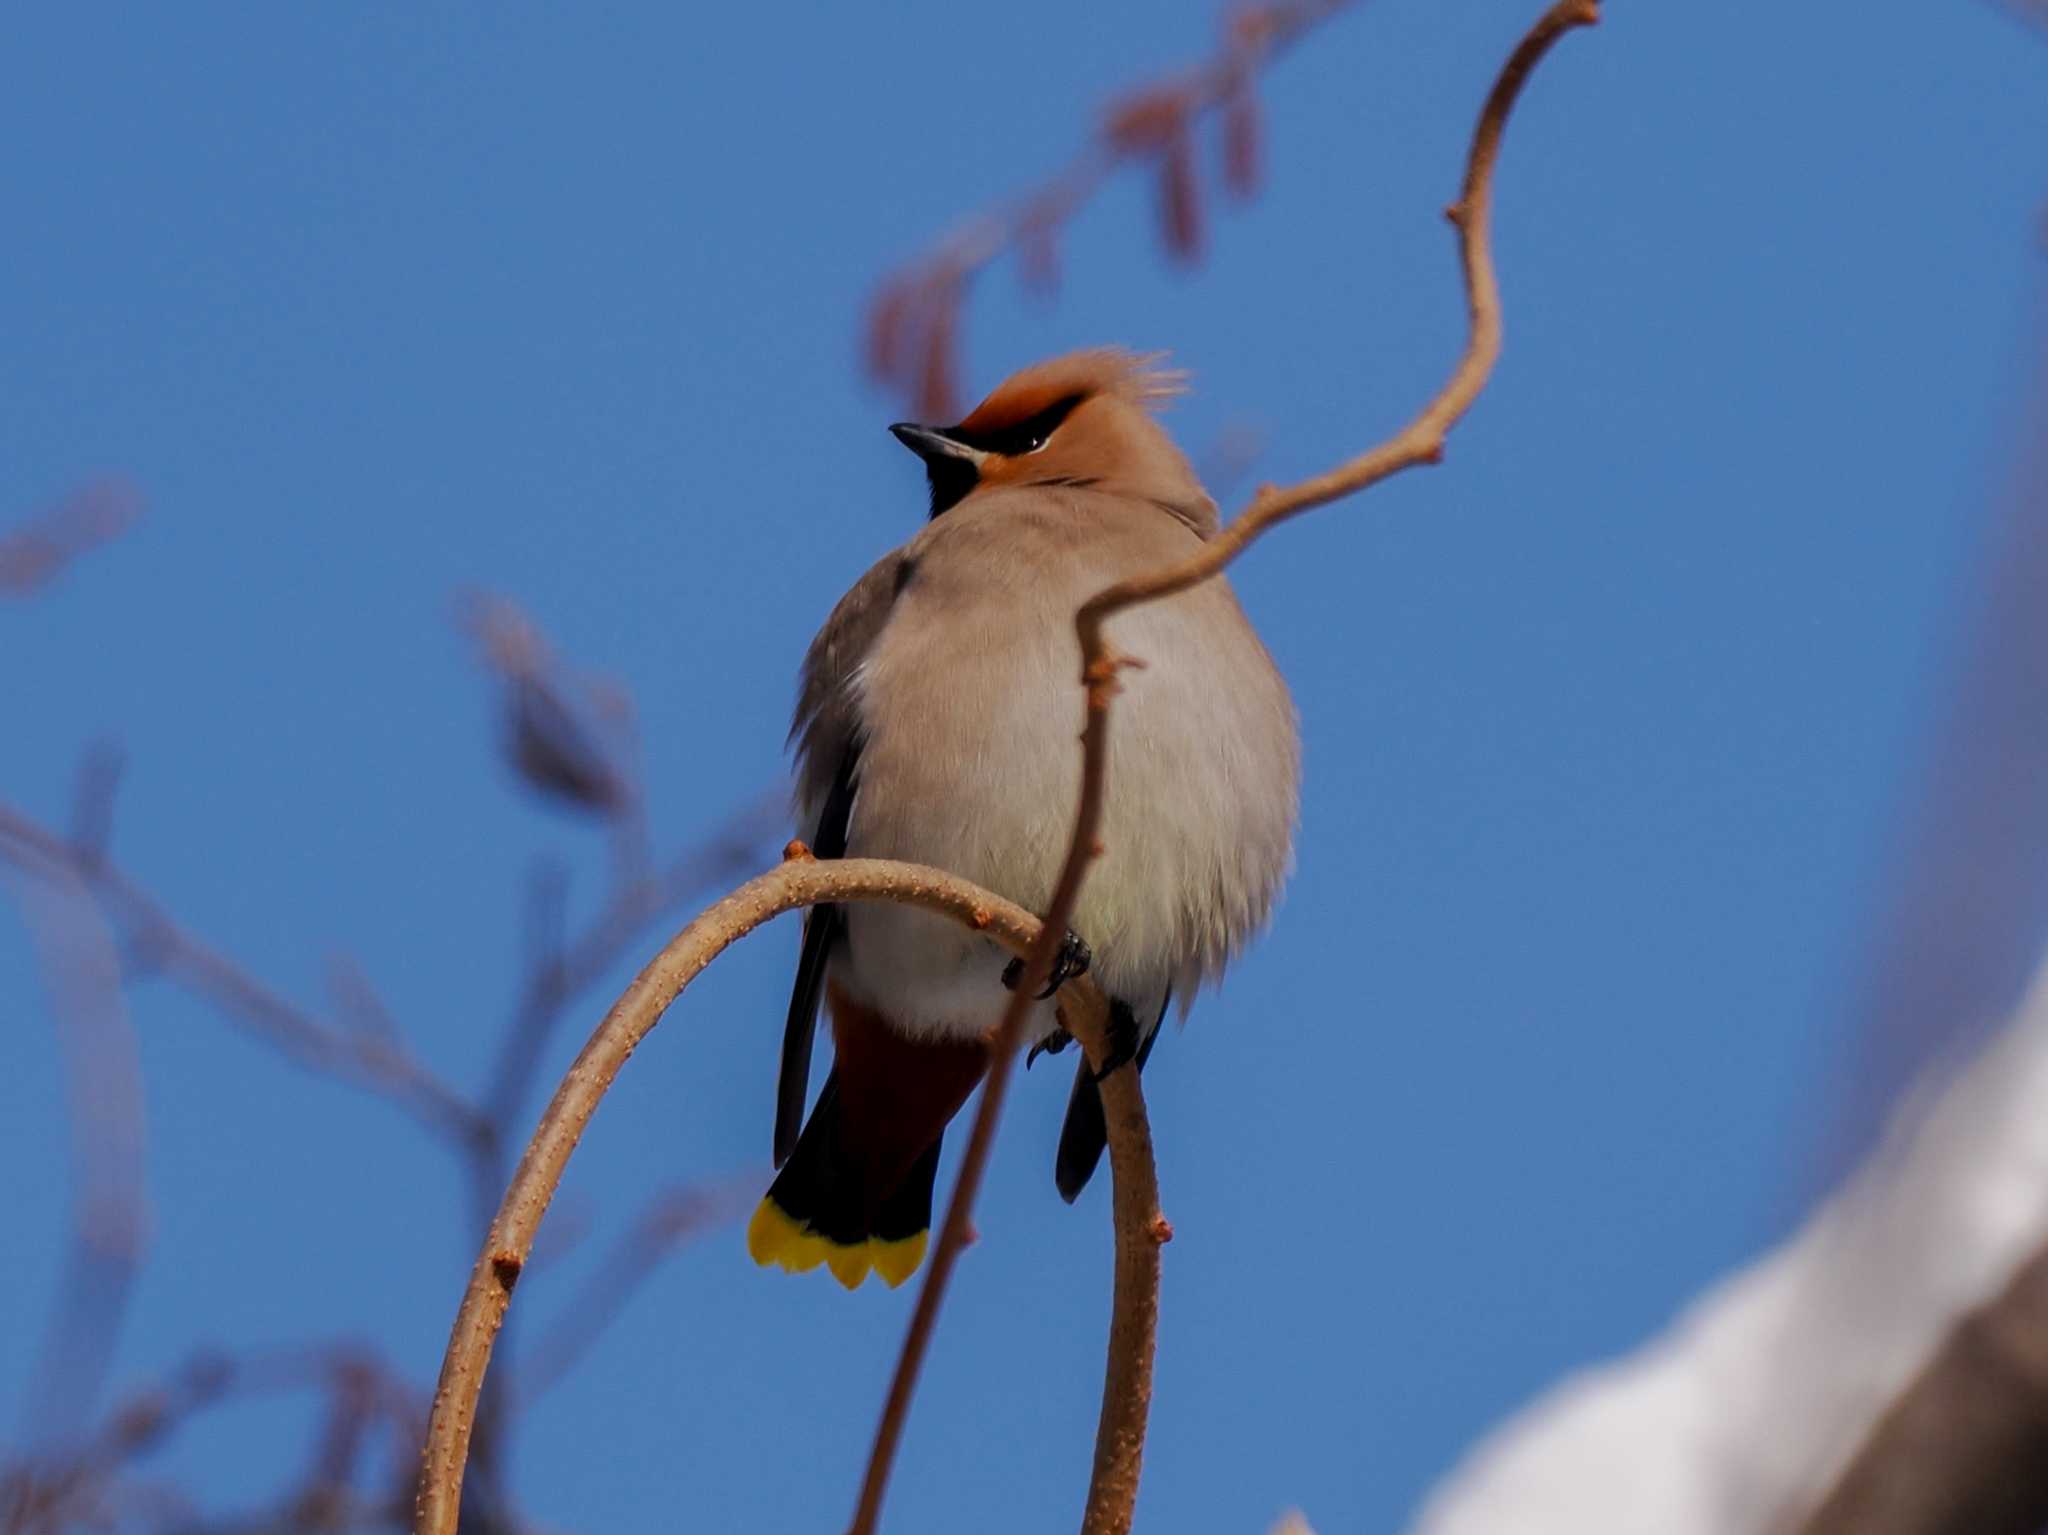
x=952 y=466
x=929 y=443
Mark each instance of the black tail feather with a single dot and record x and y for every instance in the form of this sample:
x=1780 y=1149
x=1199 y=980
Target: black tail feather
x=1086 y=1132
x=822 y=927
x=907 y=1211
x=819 y=1187
x=824 y=1208
x=1082 y=1137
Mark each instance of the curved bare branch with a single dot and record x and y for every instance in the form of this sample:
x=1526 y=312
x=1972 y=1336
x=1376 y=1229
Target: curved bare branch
x=1113 y=1490
x=1140 y=1227
x=800 y=881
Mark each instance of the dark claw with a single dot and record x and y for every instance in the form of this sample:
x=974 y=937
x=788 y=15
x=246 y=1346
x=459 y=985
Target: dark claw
x=1123 y=1040
x=1074 y=958
x=1052 y=1044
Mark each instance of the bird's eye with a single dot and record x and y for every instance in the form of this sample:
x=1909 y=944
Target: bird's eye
x=1027 y=436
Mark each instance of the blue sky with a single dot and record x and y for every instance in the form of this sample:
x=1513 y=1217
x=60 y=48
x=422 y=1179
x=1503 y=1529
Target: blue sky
x=1610 y=722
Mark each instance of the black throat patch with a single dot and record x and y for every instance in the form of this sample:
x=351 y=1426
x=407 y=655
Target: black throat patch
x=951 y=479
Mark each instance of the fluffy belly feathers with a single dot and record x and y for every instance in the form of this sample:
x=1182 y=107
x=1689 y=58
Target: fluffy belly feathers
x=977 y=784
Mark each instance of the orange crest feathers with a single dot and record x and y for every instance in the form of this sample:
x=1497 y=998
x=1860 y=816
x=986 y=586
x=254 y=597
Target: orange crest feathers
x=1104 y=370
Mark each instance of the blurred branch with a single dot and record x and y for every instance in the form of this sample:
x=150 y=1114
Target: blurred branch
x=567 y=738
x=357 y=1002
x=1119 y=1445
x=364 y=1045
x=60 y=1493
x=104 y=1093
x=92 y=800
x=800 y=881
x=326 y=1496
x=372 y=1057
x=35 y=554
x=2035 y=11
x=563 y=968
x=162 y=946
x=913 y=321
x=572 y=739
x=1964 y=1451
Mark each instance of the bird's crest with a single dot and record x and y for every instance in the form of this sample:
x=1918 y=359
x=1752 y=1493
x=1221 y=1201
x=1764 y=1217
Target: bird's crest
x=1107 y=370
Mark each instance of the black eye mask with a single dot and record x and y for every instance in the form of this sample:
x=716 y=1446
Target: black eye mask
x=1025 y=437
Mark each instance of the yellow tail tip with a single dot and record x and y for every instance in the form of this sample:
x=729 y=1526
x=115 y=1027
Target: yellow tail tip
x=897 y=1261
x=849 y=1265
x=775 y=1238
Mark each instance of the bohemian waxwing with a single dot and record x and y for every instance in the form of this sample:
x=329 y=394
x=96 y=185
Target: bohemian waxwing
x=937 y=723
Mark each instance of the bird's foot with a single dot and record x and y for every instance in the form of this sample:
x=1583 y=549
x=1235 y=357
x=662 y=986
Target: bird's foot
x=1124 y=1039
x=1074 y=958
x=1052 y=1044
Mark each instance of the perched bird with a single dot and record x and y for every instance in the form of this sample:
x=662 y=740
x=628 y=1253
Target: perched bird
x=937 y=722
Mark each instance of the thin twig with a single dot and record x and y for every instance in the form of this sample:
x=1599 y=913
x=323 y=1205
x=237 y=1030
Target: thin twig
x=1422 y=440
x=1119 y=1445
x=800 y=881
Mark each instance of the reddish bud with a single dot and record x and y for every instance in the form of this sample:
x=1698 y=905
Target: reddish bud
x=1038 y=255
x=1180 y=201
x=1146 y=121
x=935 y=386
x=37 y=552
x=1250 y=28
x=1241 y=140
x=888 y=319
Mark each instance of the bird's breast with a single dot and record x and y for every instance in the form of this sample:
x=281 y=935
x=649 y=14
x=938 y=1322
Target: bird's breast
x=971 y=711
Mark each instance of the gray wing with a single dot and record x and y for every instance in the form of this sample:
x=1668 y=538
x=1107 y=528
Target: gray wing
x=827 y=733
x=827 y=724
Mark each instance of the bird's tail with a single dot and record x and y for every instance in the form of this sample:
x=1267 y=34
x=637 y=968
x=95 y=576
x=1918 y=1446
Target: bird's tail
x=823 y=1207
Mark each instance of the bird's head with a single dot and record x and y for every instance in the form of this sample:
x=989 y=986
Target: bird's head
x=1083 y=420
